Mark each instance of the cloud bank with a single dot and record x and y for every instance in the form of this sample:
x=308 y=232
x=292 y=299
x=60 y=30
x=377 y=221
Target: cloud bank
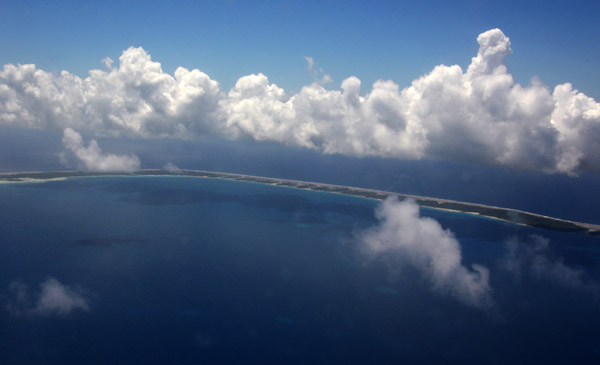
x=91 y=157
x=54 y=298
x=476 y=115
x=423 y=244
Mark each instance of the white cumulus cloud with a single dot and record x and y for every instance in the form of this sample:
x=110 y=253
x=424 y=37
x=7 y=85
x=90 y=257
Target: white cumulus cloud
x=135 y=99
x=91 y=157
x=475 y=115
x=421 y=242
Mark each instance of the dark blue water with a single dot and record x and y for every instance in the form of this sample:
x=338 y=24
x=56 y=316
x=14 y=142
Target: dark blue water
x=184 y=270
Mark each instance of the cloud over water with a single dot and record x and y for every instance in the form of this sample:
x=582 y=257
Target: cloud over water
x=475 y=115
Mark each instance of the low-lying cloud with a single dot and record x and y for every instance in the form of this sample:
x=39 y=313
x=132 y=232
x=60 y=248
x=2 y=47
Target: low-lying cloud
x=475 y=115
x=171 y=167
x=53 y=298
x=421 y=243
x=91 y=158
x=534 y=258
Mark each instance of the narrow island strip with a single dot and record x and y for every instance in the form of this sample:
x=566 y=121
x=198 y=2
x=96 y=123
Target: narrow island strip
x=504 y=214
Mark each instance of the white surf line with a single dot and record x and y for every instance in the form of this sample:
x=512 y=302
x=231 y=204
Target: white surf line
x=7 y=177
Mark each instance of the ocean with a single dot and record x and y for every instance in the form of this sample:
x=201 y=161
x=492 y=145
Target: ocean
x=191 y=270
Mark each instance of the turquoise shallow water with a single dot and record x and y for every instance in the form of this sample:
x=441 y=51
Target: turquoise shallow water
x=186 y=270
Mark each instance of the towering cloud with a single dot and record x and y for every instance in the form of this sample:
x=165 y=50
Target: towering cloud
x=136 y=99
x=479 y=115
x=423 y=244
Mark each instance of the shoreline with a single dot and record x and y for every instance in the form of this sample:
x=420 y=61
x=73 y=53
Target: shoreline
x=514 y=216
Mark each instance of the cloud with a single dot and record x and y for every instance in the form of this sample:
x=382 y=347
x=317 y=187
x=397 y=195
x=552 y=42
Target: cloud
x=91 y=157
x=18 y=302
x=318 y=74
x=535 y=258
x=57 y=298
x=54 y=298
x=171 y=167
x=421 y=243
x=475 y=115
x=136 y=99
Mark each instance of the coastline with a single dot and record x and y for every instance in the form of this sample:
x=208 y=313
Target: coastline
x=508 y=215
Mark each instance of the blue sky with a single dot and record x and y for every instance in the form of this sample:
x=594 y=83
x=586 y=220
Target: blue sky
x=398 y=40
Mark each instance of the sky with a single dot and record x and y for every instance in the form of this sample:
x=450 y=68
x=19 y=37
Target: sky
x=510 y=86
x=398 y=40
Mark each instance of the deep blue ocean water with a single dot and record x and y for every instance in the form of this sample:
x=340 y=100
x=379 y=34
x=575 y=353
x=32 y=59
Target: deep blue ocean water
x=188 y=270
